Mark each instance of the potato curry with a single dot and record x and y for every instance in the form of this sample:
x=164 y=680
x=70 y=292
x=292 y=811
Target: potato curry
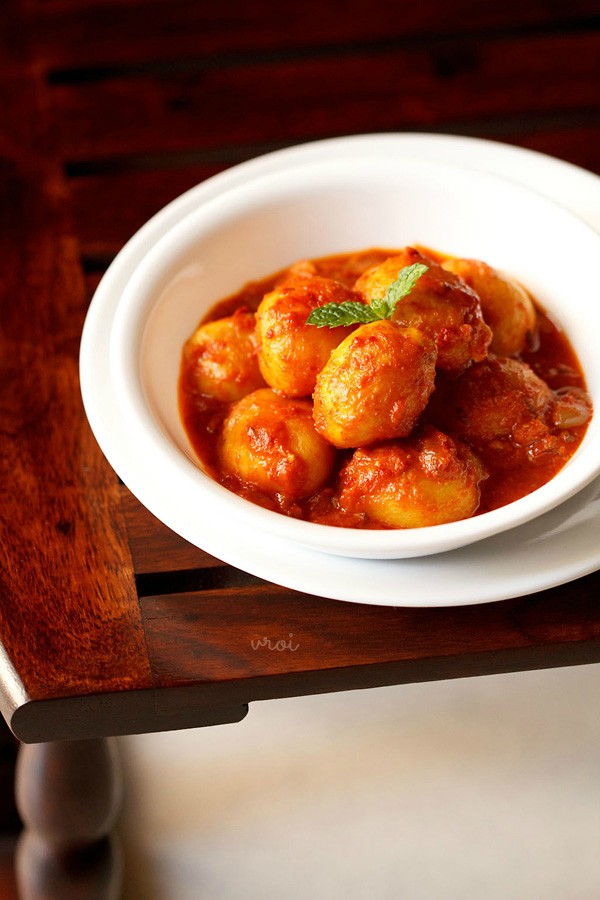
x=382 y=389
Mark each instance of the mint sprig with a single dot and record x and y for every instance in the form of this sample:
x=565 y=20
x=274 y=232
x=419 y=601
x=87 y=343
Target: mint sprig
x=346 y=313
x=350 y=312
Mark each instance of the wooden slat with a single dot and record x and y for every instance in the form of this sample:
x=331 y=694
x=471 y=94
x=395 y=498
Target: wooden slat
x=109 y=208
x=54 y=6
x=579 y=145
x=285 y=102
x=154 y=547
x=271 y=642
x=79 y=33
x=69 y=615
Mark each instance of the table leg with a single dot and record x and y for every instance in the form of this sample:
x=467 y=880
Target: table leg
x=69 y=796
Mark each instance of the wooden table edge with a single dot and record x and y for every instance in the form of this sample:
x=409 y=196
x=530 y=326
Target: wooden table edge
x=210 y=703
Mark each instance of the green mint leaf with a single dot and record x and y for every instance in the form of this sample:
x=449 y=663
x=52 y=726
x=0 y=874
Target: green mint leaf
x=381 y=307
x=351 y=312
x=347 y=313
x=401 y=287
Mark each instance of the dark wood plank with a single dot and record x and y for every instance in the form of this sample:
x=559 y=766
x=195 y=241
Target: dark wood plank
x=61 y=520
x=79 y=33
x=579 y=145
x=125 y=712
x=69 y=615
x=109 y=208
x=154 y=547
x=270 y=642
x=216 y=107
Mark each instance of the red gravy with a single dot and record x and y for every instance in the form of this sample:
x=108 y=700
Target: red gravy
x=552 y=359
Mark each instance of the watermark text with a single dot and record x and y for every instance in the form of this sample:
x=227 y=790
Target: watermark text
x=265 y=643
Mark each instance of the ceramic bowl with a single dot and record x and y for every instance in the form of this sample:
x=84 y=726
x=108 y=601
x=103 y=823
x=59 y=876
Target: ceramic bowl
x=320 y=207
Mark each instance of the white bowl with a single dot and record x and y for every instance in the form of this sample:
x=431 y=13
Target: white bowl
x=316 y=208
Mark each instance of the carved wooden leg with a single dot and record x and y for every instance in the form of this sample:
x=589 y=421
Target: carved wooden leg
x=69 y=795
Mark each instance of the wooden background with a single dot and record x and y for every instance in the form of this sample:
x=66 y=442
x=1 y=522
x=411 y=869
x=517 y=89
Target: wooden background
x=152 y=97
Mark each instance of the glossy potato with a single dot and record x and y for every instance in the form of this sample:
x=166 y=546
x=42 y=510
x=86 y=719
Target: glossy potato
x=271 y=442
x=429 y=479
x=292 y=353
x=506 y=306
x=221 y=357
x=499 y=406
x=375 y=385
x=440 y=304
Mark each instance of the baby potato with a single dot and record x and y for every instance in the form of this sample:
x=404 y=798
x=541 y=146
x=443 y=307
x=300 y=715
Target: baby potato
x=429 y=479
x=499 y=406
x=221 y=359
x=440 y=304
x=271 y=442
x=506 y=306
x=375 y=384
x=292 y=353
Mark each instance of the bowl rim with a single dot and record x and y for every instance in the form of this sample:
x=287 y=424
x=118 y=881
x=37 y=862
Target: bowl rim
x=338 y=540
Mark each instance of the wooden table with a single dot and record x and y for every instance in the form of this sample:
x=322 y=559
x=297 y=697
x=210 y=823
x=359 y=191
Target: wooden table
x=109 y=623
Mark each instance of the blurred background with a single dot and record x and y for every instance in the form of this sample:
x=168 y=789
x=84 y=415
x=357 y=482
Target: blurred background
x=480 y=788
x=462 y=790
